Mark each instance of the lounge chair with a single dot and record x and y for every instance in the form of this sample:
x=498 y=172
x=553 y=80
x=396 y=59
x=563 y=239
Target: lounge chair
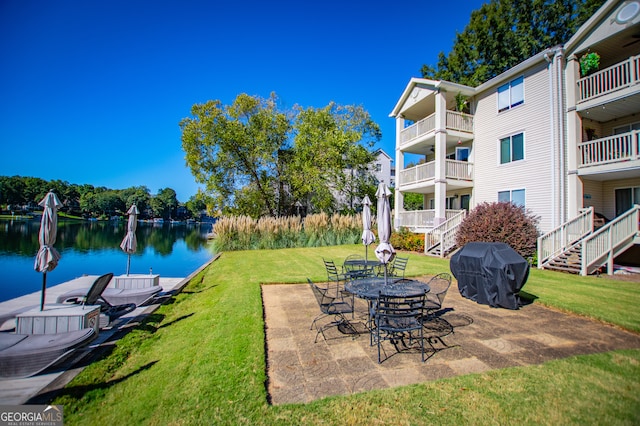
x=24 y=355
x=93 y=296
x=114 y=296
x=108 y=311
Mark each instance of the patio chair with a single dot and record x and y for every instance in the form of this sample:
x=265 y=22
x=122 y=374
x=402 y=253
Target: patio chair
x=397 y=319
x=329 y=306
x=397 y=267
x=354 y=267
x=333 y=276
x=439 y=285
x=25 y=355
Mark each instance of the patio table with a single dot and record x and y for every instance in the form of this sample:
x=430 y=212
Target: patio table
x=369 y=288
x=358 y=268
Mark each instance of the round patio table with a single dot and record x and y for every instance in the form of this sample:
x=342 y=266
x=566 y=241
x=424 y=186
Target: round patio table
x=371 y=287
x=357 y=268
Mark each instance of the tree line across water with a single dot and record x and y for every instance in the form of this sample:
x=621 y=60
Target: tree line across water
x=21 y=195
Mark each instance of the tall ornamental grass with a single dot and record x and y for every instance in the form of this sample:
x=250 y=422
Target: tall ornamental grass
x=316 y=230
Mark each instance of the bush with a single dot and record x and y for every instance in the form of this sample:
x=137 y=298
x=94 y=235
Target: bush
x=502 y=222
x=406 y=240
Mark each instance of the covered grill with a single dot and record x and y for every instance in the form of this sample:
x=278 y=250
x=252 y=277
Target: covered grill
x=490 y=274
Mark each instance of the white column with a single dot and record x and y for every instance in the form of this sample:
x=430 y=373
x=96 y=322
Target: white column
x=440 y=160
x=574 y=136
x=399 y=160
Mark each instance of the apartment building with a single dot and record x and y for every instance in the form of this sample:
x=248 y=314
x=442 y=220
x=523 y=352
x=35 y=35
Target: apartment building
x=542 y=135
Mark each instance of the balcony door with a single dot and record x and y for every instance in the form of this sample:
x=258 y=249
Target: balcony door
x=626 y=198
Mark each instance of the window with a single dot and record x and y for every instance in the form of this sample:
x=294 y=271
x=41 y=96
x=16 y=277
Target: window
x=512 y=148
x=462 y=154
x=511 y=94
x=626 y=128
x=516 y=196
x=378 y=167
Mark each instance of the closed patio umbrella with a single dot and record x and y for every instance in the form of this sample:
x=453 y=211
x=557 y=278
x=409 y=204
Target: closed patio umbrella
x=384 y=252
x=367 y=235
x=130 y=243
x=47 y=257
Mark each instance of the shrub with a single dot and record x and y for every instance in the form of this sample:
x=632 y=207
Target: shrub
x=502 y=222
x=406 y=240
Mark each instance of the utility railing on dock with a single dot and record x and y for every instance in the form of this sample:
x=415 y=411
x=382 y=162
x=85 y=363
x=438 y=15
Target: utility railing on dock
x=612 y=149
x=610 y=79
x=563 y=237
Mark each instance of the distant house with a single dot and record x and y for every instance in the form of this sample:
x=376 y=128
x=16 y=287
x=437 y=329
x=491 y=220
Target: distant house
x=541 y=135
x=382 y=169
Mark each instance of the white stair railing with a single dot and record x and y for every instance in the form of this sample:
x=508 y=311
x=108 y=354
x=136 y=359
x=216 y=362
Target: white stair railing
x=563 y=237
x=444 y=234
x=609 y=241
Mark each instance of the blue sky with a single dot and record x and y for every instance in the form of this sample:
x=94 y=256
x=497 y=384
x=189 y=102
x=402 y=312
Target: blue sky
x=93 y=91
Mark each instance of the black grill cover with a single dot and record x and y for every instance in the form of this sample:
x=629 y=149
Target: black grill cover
x=490 y=274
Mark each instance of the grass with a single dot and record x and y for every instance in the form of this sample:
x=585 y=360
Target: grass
x=201 y=360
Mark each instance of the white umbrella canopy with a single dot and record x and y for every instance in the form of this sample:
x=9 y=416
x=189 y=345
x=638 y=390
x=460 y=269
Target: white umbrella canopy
x=47 y=257
x=385 y=251
x=367 y=235
x=130 y=243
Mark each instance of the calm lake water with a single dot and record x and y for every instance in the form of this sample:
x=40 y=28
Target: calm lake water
x=93 y=248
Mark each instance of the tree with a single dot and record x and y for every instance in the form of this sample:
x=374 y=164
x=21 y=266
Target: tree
x=330 y=154
x=138 y=195
x=503 y=33
x=257 y=159
x=164 y=204
x=230 y=148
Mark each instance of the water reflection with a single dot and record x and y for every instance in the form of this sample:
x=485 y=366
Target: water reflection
x=94 y=248
x=21 y=237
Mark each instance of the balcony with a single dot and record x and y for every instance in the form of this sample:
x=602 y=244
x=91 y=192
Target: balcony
x=609 y=150
x=420 y=219
x=424 y=173
x=617 y=77
x=456 y=121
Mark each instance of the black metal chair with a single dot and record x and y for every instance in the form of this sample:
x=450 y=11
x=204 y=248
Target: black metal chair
x=355 y=267
x=397 y=267
x=334 y=276
x=439 y=285
x=329 y=306
x=397 y=319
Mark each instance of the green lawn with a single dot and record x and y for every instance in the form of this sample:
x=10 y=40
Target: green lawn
x=201 y=360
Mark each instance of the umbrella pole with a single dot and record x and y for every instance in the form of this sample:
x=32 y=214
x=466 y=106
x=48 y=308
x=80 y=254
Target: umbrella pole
x=385 y=274
x=44 y=287
x=128 y=263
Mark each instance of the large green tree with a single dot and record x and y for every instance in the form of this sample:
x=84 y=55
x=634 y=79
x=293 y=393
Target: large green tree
x=503 y=33
x=257 y=159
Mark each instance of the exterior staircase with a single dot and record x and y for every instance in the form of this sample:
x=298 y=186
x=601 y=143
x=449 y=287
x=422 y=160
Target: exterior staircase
x=569 y=261
x=441 y=240
x=576 y=247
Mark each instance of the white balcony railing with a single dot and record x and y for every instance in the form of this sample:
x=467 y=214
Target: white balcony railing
x=459 y=170
x=616 y=77
x=421 y=218
x=612 y=149
x=458 y=121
